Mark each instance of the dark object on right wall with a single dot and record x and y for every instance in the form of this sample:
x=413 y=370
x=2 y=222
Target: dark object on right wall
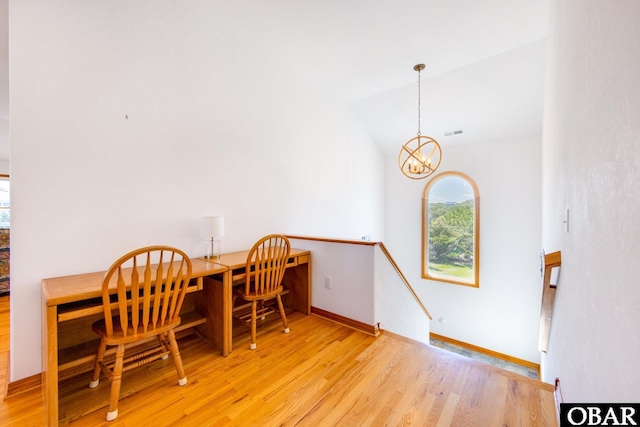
x=4 y=261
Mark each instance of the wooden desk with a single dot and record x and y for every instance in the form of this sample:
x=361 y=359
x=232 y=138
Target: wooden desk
x=297 y=279
x=70 y=304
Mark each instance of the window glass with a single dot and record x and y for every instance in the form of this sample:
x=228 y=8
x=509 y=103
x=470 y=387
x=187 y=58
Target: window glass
x=5 y=205
x=450 y=229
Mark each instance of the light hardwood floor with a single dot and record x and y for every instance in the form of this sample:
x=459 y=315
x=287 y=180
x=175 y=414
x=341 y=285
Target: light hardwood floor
x=321 y=374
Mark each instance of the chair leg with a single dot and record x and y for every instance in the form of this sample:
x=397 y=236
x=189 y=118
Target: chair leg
x=177 y=360
x=254 y=304
x=116 y=381
x=95 y=377
x=283 y=316
x=165 y=345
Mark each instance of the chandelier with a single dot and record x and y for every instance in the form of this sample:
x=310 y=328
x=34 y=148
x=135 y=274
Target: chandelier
x=420 y=156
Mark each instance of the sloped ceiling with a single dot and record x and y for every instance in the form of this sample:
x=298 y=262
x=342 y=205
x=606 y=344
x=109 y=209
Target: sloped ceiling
x=485 y=60
x=494 y=99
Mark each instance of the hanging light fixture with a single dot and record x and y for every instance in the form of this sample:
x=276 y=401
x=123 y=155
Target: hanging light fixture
x=420 y=156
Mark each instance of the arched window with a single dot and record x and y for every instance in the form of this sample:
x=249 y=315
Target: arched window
x=450 y=229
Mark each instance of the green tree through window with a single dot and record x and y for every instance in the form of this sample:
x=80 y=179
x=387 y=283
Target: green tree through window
x=5 y=205
x=450 y=229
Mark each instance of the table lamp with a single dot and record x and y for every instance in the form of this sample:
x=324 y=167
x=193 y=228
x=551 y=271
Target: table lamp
x=212 y=227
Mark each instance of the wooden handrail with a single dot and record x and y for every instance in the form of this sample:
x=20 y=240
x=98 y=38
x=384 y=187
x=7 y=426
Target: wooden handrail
x=551 y=261
x=384 y=251
x=404 y=279
x=333 y=240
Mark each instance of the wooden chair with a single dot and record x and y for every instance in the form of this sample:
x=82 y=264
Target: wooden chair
x=151 y=285
x=266 y=264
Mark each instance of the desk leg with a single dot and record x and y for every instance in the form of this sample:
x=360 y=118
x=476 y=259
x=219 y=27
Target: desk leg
x=50 y=363
x=298 y=280
x=218 y=303
x=228 y=311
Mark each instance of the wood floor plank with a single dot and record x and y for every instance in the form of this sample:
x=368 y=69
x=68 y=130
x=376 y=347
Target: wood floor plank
x=448 y=411
x=548 y=415
x=487 y=408
x=410 y=403
x=321 y=374
x=350 y=391
x=4 y=324
x=389 y=406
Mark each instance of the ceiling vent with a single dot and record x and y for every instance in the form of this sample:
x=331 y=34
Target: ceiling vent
x=453 y=132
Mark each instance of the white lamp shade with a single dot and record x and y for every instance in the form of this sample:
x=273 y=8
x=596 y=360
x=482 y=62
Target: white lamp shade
x=212 y=226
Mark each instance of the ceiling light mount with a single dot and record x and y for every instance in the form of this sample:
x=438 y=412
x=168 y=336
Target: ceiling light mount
x=420 y=156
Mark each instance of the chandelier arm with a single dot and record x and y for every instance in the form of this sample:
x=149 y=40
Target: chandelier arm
x=417 y=157
x=404 y=147
x=433 y=150
x=412 y=153
x=432 y=167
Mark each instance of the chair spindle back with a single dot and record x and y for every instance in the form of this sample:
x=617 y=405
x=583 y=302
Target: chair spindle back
x=150 y=292
x=266 y=264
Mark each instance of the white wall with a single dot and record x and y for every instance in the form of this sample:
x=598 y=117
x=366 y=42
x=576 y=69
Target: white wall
x=503 y=314
x=4 y=83
x=130 y=120
x=364 y=286
x=592 y=167
x=350 y=269
x=396 y=309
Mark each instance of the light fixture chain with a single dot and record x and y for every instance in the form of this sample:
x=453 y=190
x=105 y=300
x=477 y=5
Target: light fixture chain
x=418 y=101
x=420 y=156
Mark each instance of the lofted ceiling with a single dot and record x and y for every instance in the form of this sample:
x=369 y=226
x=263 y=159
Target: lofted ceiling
x=493 y=99
x=485 y=61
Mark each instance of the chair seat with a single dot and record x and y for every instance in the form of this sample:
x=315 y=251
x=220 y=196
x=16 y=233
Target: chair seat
x=257 y=297
x=118 y=336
